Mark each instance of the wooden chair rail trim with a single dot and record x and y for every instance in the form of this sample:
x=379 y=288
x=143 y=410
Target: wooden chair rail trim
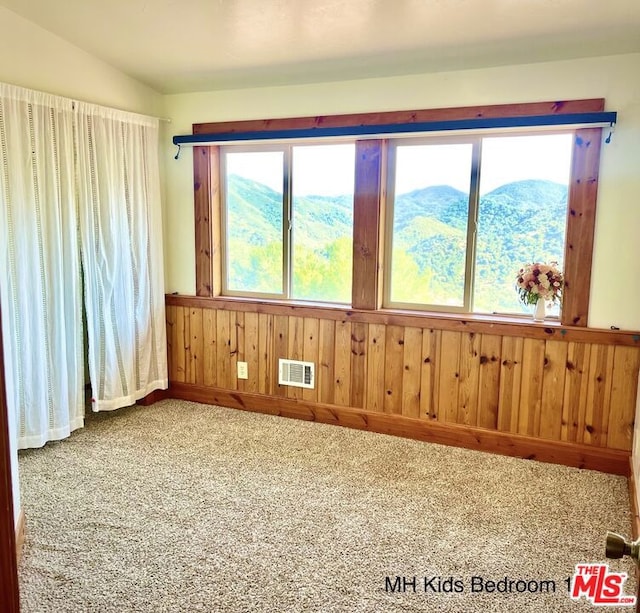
x=569 y=454
x=551 y=330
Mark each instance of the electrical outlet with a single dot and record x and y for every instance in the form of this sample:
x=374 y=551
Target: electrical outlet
x=243 y=370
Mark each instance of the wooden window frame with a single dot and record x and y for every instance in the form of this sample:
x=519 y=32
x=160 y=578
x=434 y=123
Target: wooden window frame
x=370 y=187
x=474 y=140
x=287 y=149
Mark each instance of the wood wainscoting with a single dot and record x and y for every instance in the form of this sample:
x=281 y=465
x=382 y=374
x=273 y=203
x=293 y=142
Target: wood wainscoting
x=547 y=392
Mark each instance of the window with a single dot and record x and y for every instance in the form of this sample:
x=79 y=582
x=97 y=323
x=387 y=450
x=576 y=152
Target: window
x=466 y=214
x=287 y=216
x=380 y=271
x=430 y=191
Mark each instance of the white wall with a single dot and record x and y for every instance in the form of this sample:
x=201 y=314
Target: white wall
x=615 y=296
x=34 y=58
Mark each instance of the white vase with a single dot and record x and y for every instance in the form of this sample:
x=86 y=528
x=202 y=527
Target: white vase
x=539 y=311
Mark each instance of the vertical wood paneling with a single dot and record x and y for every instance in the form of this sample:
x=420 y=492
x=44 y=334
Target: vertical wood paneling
x=280 y=350
x=326 y=361
x=393 y=369
x=411 y=372
x=489 y=385
x=172 y=350
x=186 y=331
x=376 y=349
x=598 y=395
x=575 y=392
x=572 y=391
x=531 y=386
x=342 y=357
x=266 y=352
x=310 y=353
x=295 y=350
x=295 y=339
x=251 y=352
x=624 y=387
x=469 y=371
x=430 y=373
x=553 y=379
x=510 y=383
x=180 y=345
x=197 y=347
x=223 y=342
x=358 y=364
x=236 y=335
x=449 y=377
x=210 y=357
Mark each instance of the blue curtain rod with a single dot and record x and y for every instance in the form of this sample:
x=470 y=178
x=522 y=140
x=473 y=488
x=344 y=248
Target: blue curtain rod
x=601 y=118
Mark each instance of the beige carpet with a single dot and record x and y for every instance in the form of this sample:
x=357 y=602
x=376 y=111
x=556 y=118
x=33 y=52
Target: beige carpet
x=187 y=507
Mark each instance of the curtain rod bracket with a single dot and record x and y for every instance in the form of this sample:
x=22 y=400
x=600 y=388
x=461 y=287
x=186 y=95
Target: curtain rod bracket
x=612 y=129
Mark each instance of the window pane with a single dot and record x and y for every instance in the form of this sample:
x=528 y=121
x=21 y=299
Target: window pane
x=322 y=185
x=254 y=223
x=430 y=211
x=522 y=215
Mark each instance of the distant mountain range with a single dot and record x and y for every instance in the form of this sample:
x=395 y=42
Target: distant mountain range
x=518 y=222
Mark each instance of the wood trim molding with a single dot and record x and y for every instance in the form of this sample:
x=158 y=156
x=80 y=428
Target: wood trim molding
x=368 y=246
x=633 y=502
x=581 y=223
x=153 y=397
x=635 y=522
x=438 y=321
x=569 y=454
x=557 y=107
x=8 y=564
x=20 y=535
x=368 y=225
x=202 y=212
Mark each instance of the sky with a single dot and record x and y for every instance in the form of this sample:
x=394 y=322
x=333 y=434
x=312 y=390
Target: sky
x=325 y=170
x=504 y=160
x=328 y=170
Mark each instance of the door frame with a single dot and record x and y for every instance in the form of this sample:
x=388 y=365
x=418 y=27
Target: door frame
x=9 y=589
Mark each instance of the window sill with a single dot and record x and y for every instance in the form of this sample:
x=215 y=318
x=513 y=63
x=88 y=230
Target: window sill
x=501 y=325
x=477 y=317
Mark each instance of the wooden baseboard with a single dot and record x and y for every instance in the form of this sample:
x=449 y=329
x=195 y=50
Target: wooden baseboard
x=612 y=461
x=154 y=397
x=20 y=534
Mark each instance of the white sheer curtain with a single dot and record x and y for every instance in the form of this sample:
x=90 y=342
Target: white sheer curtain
x=120 y=224
x=40 y=280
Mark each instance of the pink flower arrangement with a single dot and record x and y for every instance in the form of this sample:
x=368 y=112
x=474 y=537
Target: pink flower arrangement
x=540 y=281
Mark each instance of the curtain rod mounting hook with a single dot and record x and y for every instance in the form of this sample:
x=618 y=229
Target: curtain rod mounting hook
x=612 y=128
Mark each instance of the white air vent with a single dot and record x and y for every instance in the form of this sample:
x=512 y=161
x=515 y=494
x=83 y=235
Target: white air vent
x=296 y=373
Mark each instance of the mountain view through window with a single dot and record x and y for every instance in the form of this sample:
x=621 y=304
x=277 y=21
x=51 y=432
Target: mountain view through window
x=289 y=222
x=522 y=187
